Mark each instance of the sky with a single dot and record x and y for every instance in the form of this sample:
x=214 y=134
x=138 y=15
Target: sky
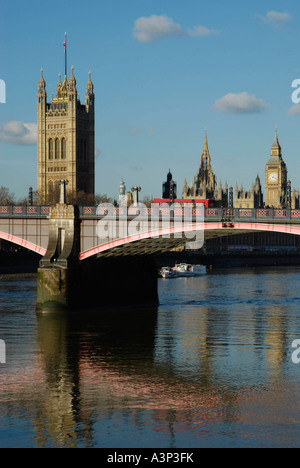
x=163 y=72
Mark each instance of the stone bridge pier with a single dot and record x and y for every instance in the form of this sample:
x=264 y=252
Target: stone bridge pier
x=58 y=274
x=66 y=282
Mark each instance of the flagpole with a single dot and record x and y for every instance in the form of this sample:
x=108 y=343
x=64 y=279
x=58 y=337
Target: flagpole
x=65 y=45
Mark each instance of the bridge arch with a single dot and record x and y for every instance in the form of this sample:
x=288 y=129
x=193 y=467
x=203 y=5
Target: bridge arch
x=212 y=229
x=23 y=243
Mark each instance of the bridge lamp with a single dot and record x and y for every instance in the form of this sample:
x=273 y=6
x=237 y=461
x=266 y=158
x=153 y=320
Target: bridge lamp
x=289 y=195
x=63 y=192
x=230 y=204
x=136 y=191
x=30 y=198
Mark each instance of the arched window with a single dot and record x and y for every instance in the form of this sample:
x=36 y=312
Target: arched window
x=57 y=149
x=51 y=149
x=63 y=149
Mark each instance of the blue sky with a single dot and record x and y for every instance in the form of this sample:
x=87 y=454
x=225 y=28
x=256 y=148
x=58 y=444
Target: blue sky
x=163 y=71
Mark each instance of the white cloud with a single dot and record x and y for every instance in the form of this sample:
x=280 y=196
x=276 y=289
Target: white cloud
x=19 y=133
x=275 y=18
x=242 y=103
x=157 y=27
x=294 y=110
x=199 y=31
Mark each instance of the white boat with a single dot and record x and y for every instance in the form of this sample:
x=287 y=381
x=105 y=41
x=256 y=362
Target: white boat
x=167 y=272
x=186 y=269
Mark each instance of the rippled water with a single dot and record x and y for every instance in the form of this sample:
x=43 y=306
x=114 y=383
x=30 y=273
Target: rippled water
x=210 y=367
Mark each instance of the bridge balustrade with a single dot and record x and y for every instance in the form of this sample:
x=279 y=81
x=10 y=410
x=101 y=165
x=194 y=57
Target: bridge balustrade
x=216 y=214
x=23 y=210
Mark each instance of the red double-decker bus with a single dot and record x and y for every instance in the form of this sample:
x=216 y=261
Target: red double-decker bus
x=181 y=201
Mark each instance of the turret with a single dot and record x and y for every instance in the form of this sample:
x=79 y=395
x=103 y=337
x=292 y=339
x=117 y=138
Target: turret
x=72 y=82
x=42 y=95
x=185 y=189
x=89 y=94
x=59 y=85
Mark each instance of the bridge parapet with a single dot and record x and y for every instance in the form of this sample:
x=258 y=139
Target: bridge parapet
x=215 y=214
x=23 y=210
x=156 y=211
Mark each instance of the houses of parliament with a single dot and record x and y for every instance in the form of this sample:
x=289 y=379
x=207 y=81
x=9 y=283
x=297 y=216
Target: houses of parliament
x=278 y=191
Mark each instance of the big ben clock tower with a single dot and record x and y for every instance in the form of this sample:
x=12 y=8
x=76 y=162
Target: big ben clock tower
x=276 y=177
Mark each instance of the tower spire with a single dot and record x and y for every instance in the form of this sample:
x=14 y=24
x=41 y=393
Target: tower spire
x=205 y=141
x=276 y=148
x=205 y=157
x=42 y=80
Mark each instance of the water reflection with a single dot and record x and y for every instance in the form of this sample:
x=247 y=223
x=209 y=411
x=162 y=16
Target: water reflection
x=86 y=359
x=58 y=410
x=210 y=367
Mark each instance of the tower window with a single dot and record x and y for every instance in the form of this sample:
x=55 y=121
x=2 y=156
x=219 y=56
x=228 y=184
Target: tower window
x=50 y=149
x=63 y=149
x=57 y=149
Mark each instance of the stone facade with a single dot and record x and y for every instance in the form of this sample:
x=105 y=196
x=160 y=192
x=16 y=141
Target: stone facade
x=249 y=199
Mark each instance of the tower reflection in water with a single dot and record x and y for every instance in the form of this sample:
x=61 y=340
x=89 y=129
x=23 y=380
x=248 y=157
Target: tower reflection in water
x=93 y=364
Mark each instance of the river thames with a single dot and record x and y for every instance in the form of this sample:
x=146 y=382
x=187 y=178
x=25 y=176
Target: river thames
x=210 y=367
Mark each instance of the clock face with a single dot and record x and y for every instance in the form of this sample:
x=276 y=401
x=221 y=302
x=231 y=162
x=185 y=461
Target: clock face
x=273 y=177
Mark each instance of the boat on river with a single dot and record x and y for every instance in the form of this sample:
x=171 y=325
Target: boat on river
x=182 y=270
x=167 y=272
x=186 y=269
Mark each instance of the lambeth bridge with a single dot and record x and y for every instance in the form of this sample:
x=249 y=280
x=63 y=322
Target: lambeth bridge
x=104 y=255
